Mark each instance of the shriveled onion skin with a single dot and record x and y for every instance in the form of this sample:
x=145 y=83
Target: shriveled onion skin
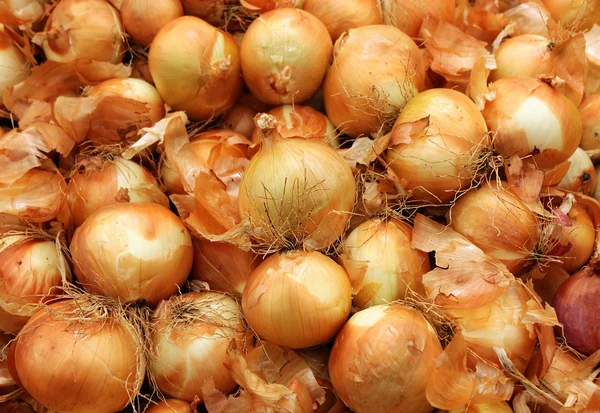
x=408 y=15
x=143 y=19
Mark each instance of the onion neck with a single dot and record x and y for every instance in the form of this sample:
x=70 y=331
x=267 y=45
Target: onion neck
x=268 y=135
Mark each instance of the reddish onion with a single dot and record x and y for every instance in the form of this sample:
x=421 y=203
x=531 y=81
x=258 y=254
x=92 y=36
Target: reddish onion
x=589 y=108
x=297 y=299
x=581 y=176
x=132 y=252
x=408 y=15
x=143 y=19
x=171 y=406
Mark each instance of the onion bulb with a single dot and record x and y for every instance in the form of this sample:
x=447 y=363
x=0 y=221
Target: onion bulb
x=527 y=55
x=498 y=407
x=262 y=6
x=132 y=252
x=581 y=176
x=589 y=108
x=95 y=354
x=376 y=70
x=382 y=359
x=409 y=15
x=531 y=117
x=580 y=234
x=84 y=29
x=285 y=55
x=240 y=119
x=378 y=277
x=575 y=14
x=14 y=66
x=436 y=142
x=171 y=406
x=592 y=54
x=578 y=309
x=192 y=330
x=96 y=184
x=196 y=67
x=339 y=16
x=18 y=12
x=495 y=220
x=296 y=191
x=143 y=19
x=297 y=299
x=596 y=193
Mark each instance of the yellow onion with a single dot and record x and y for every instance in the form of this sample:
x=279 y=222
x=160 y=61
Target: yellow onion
x=84 y=29
x=377 y=276
x=171 y=406
x=436 y=142
x=590 y=138
x=96 y=184
x=527 y=55
x=240 y=119
x=285 y=55
x=262 y=6
x=196 y=67
x=339 y=16
x=7 y=384
x=297 y=299
x=575 y=14
x=495 y=220
x=143 y=19
x=296 y=191
x=530 y=117
x=95 y=354
x=408 y=15
x=132 y=252
x=192 y=330
x=376 y=70
x=18 y=12
x=14 y=66
x=498 y=407
x=382 y=360
x=581 y=176
x=579 y=234
x=596 y=193
x=592 y=53
x=225 y=267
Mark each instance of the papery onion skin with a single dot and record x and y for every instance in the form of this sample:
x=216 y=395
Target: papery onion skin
x=191 y=330
x=576 y=14
x=382 y=359
x=339 y=16
x=285 y=54
x=530 y=117
x=588 y=109
x=297 y=299
x=577 y=307
x=196 y=68
x=132 y=252
x=581 y=235
x=408 y=15
x=439 y=160
x=143 y=19
x=84 y=29
x=95 y=361
x=14 y=67
x=364 y=95
x=581 y=176
x=171 y=406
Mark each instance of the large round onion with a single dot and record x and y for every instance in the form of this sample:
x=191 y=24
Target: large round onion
x=84 y=29
x=95 y=355
x=171 y=406
x=495 y=220
x=297 y=299
x=285 y=55
x=382 y=360
x=576 y=14
x=96 y=184
x=192 y=330
x=588 y=109
x=438 y=157
x=143 y=19
x=14 y=67
x=132 y=252
x=376 y=71
x=409 y=15
x=531 y=117
x=377 y=276
x=196 y=67
x=581 y=176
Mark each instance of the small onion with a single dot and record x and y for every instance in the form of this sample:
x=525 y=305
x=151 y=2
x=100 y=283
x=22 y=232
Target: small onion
x=192 y=330
x=14 y=67
x=377 y=276
x=297 y=299
x=498 y=407
x=339 y=16
x=196 y=67
x=18 y=12
x=84 y=29
x=576 y=14
x=581 y=176
x=528 y=55
x=409 y=15
x=589 y=109
x=171 y=406
x=143 y=19
x=578 y=309
x=580 y=234
x=438 y=158
x=382 y=359
x=240 y=119
x=376 y=70
x=531 y=117
x=285 y=54
x=262 y=6
x=132 y=252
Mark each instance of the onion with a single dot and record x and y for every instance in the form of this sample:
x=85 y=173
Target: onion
x=143 y=19
x=596 y=193
x=95 y=354
x=196 y=67
x=132 y=252
x=592 y=53
x=378 y=277
x=495 y=220
x=240 y=119
x=18 y=12
x=297 y=299
x=408 y=15
x=580 y=235
x=375 y=72
x=96 y=184
x=576 y=14
x=581 y=176
x=193 y=330
x=532 y=118
x=498 y=407
x=436 y=142
x=285 y=55
x=14 y=66
x=84 y=29
x=262 y=6
x=339 y=16
x=590 y=138
x=7 y=384
x=576 y=304
x=530 y=17
x=382 y=360
x=211 y=11
x=171 y=406
x=296 y=191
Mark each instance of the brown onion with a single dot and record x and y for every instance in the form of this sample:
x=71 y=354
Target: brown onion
x=143 y=19
x=581 y=176
x=576 y=14
x=171 y=406
x=590 y=138
x=14 y=66
x=409 y=15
